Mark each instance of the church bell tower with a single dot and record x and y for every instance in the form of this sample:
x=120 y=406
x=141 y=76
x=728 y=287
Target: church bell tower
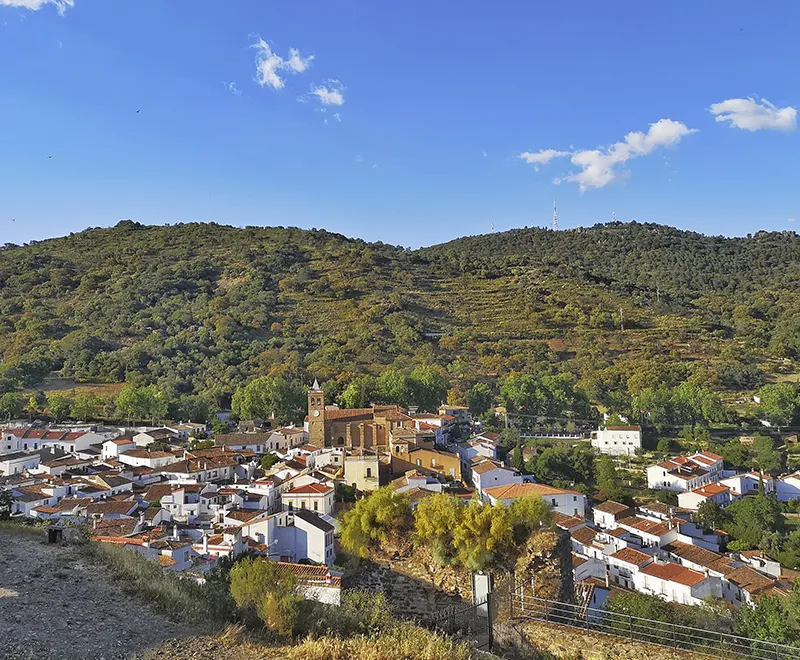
x=316 y=415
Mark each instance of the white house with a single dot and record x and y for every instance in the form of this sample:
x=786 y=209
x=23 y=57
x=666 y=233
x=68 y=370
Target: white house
x=674 y=583
x=317 y=583
x=567 y=502
x=624 y=565
x=200 y=471
x=313 y=497
x=717 y=492
x=147 y=458
x=294 y=536
x=788 y=487
x=677 y=474
x=113 y=448
x=607 y=513
x=745 y=484
x=18 y=462
x=488 y=474
x=617 y=440
x=648 y=533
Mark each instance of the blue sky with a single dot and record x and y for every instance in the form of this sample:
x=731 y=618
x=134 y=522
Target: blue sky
x=411 y=123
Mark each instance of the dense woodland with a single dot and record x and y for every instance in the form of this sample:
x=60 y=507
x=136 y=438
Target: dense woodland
x=592 y=317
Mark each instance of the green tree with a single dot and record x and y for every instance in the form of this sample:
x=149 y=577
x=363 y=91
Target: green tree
x=269 y=591
x=33 y=405
x=11 y=405
x=779 y=403
x=59 y=406
x=754 y=517
x=395 y=388
x=7 y=500
x=87 y=407
x=480 y=399
x=765 y=619
x=268 y=460
x=429 y=386
x=266 y=397
x=380 y=521
x=529 y=514
x=710 y=515
x=359 y=393
x=517 y=460
x=436 y=519
x=483 y=536
x=608 y=479
x=696 y=404
x=664 y=446
x=767 y=457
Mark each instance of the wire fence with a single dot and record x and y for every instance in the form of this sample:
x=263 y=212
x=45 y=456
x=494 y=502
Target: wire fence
x=716 y=644
x=474 y=622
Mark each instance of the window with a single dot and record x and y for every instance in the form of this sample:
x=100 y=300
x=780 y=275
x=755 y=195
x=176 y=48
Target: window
x=369 y=473
x=419 y=462
x=554 y=501
x=574 y=498
x=316 y=505
x=302 y=505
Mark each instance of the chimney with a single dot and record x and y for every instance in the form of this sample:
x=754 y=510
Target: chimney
x=94 y=523
x=175 y=532
x=608 y=579
x=205 y=544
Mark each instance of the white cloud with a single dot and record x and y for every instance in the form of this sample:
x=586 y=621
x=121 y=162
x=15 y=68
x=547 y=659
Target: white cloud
x=297 y=63
x=330 y=93
x=337 y=116
x=542 y=157
x=791 y=220
x=601 y=167
x=233 y=88
x=750 y=115
x=35 y=5
x=359 y=159
x=269 y=65
x=483 y=152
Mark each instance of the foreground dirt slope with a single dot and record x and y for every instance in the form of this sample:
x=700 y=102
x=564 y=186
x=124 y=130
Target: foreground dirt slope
x=54 y=605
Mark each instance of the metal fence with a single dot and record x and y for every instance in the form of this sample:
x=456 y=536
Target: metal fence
x=474 y=622
x=716 y=644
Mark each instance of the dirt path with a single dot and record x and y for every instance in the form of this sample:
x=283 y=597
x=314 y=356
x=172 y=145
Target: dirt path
x=53 y=604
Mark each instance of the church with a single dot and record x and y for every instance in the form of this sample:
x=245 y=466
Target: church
x=332 y=426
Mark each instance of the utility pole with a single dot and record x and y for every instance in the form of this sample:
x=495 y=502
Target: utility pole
x=555 y=217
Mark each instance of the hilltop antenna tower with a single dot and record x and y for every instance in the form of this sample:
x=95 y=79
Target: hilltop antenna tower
x=493 y=228
x=555 y=217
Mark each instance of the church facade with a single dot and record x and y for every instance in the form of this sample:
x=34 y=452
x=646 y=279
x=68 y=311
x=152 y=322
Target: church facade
x=352 y=427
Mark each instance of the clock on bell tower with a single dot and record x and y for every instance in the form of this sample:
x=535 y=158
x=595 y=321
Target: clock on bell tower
x=316 y=415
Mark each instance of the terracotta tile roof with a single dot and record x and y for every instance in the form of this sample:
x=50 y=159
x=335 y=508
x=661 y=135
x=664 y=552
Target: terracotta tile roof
x=144 y=453
x=244 y=515
x=485 y=466
x=247 y=439
x=111 y=507
x=692 y=553
x=751 y=581
x=577 y=560
x=567 y=522
x=46 y=509
x=348 y=414
x=649 y=526
x=584 y=535
x=611 y=507
x=310 y=489
x=310 y=574
x=166 y=560
x=520 y=490
x=122 y=441
x=674 y=573
x=631 y=556
x=709 y=490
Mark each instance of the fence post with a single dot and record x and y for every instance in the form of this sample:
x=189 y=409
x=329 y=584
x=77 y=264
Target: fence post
x=490 y=621
x=630 y=627
x=547 y=611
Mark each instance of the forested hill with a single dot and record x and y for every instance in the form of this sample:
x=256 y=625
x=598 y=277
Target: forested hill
x=199 y=308
x=644 y=258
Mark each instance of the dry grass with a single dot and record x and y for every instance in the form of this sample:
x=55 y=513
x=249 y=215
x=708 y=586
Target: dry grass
x=402 y=642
